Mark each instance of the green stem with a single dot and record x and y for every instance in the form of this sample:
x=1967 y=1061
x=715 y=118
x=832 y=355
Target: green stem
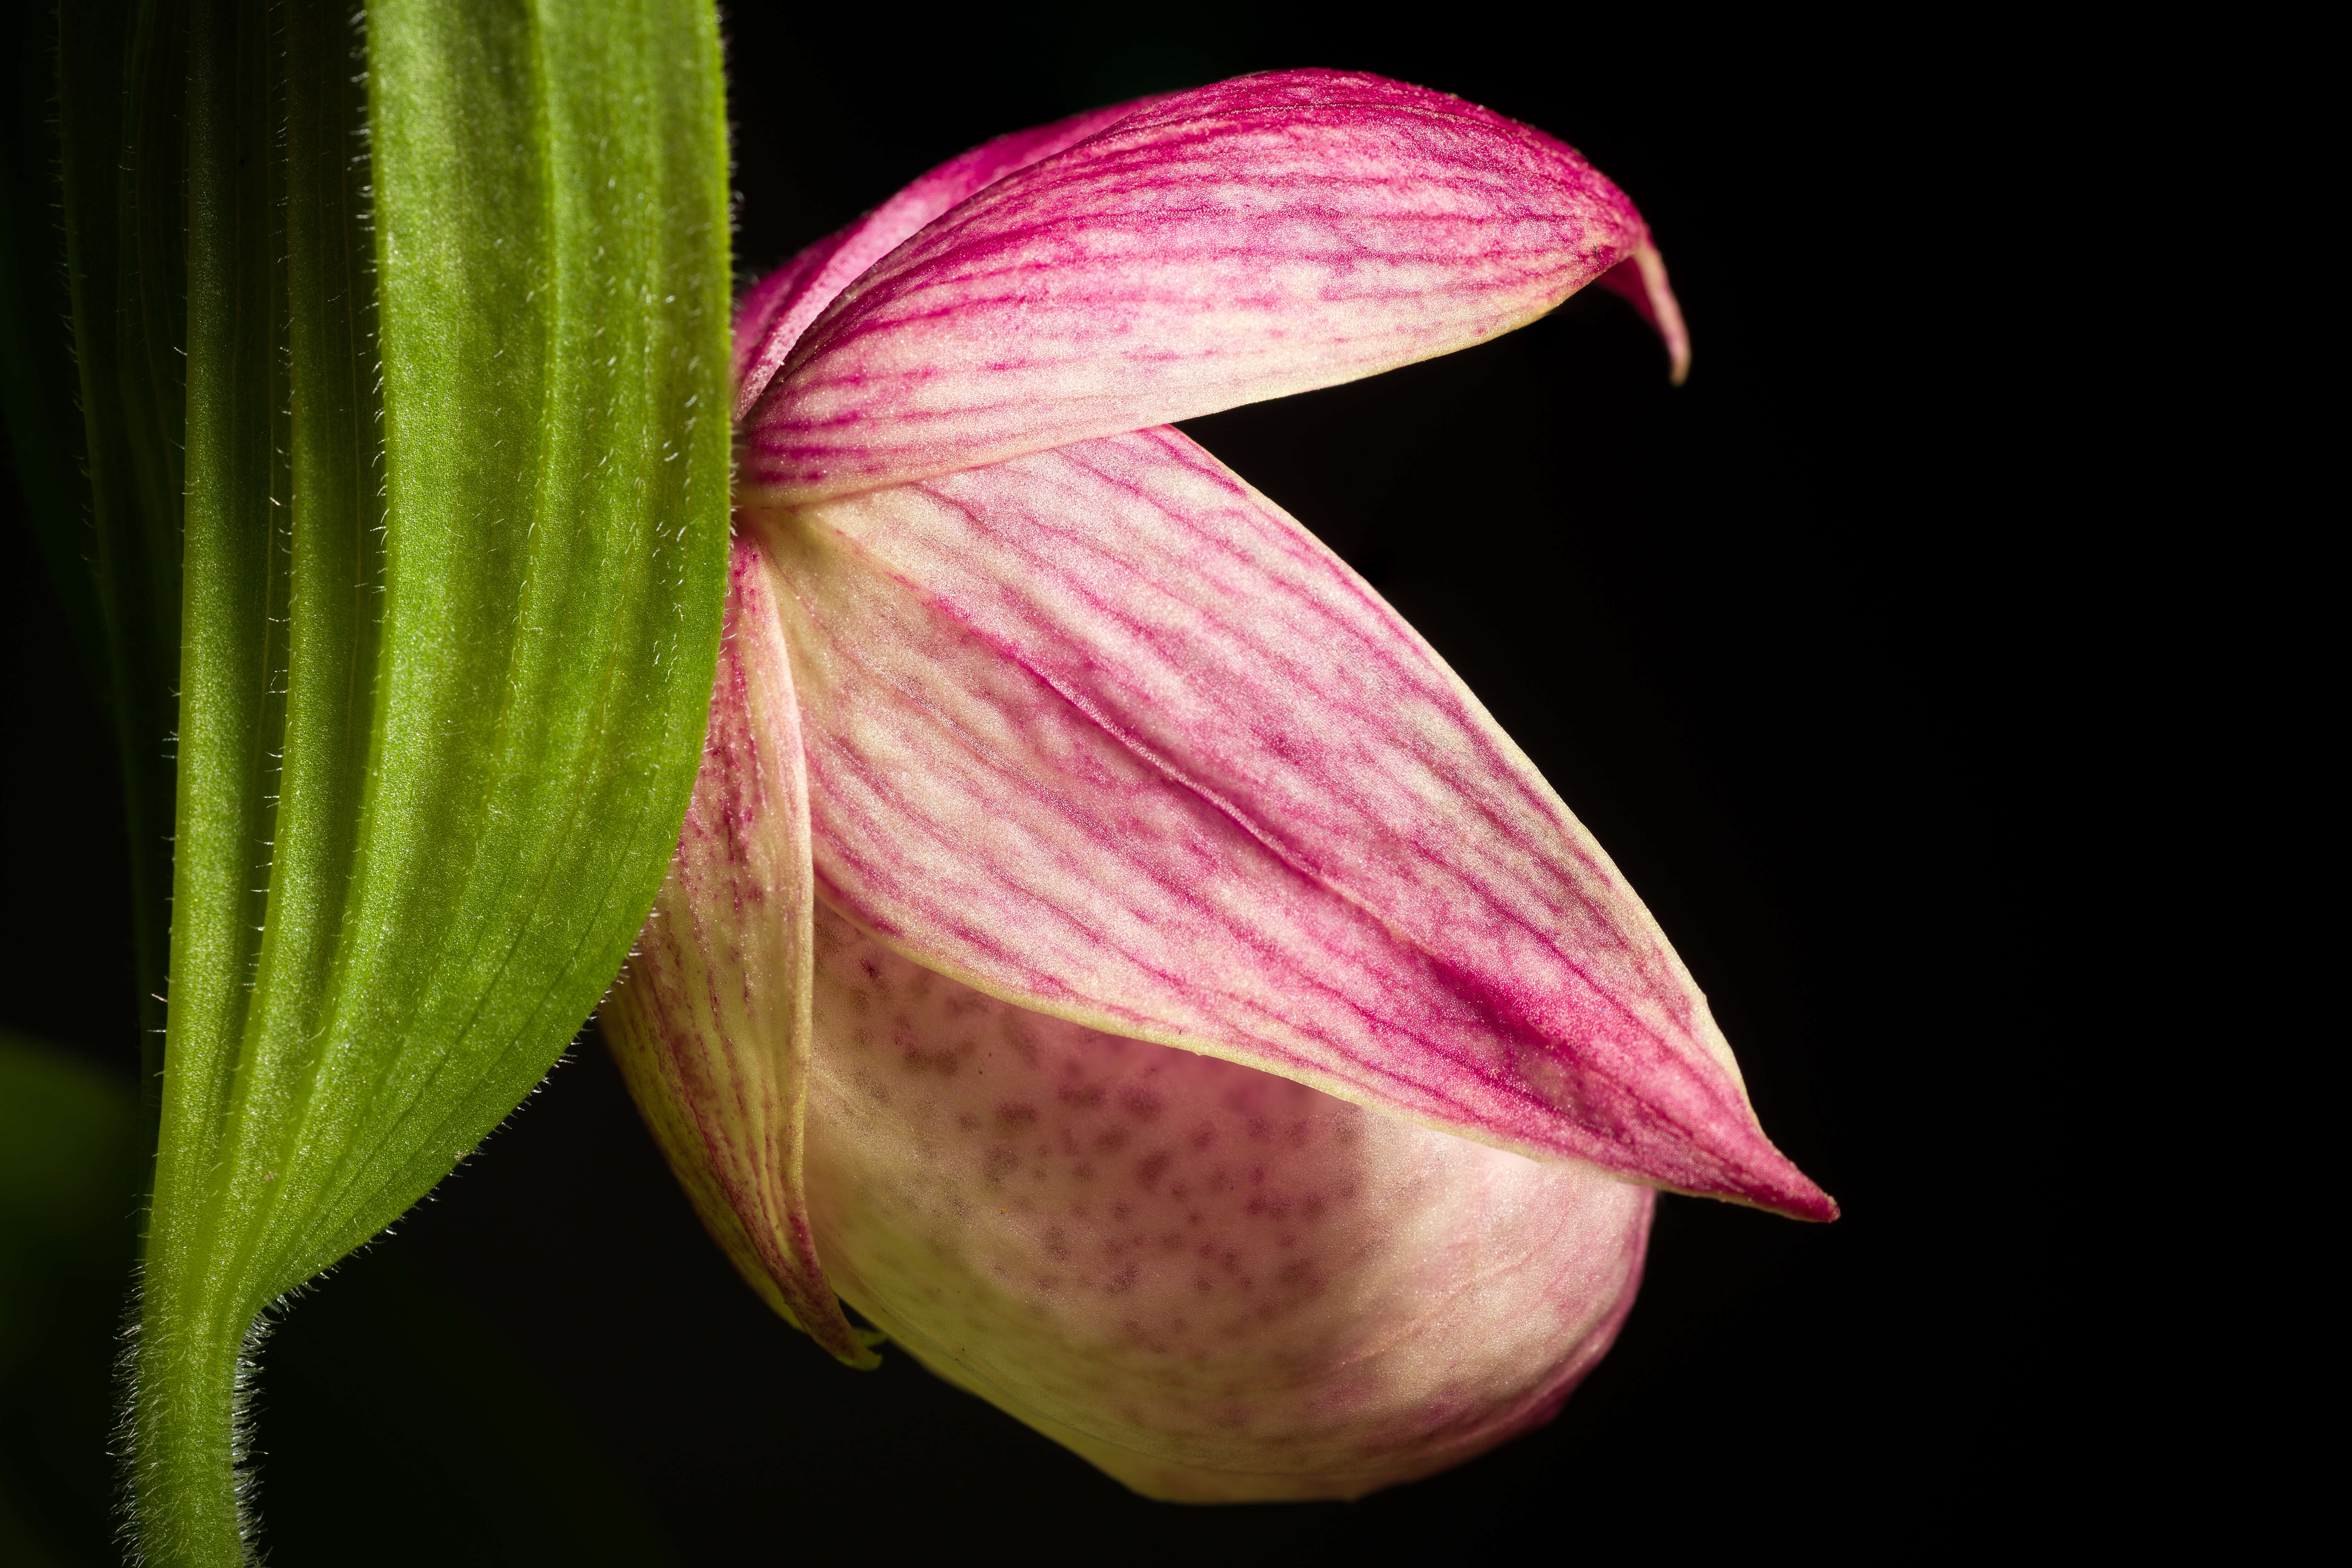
x=186 y=1481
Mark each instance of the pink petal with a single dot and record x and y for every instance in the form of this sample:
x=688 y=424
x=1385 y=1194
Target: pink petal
x=779 y=307
x=1642 y=278
x=1243 y=241
x=1214 y=1284
x=710 y=1022
x=757 y=314
x=1102 y=731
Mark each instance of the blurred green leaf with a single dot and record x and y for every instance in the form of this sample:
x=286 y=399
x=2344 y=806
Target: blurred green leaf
x=385 y=1403
x=71 y=1164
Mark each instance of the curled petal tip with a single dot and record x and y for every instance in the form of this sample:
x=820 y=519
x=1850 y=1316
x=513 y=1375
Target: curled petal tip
x=1642 y=278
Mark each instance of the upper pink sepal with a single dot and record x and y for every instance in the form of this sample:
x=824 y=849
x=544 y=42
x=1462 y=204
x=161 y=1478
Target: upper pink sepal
x=1241 y=241
x=771 y=316
x=1102 y=731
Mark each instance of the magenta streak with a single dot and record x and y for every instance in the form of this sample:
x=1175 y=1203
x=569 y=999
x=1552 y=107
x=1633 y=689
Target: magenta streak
x=1501 y=1006
x=781 y=307
x=1683 y=1162
x=982 y=939
x=1190 y=151
x=795 y=1269
x=1296 y=856
x=1042 y=569
x=1443 y=696
x=759 y=346
x=1028 y=904
x=1105 y=282
x=1634 y=1124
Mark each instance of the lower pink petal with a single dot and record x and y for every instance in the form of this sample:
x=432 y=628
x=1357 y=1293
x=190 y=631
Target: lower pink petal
x=1213 y=1283
x=1103 y=732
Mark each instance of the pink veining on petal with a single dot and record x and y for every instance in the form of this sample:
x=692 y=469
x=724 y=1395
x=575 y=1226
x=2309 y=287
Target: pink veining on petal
x=780 y=307
x=757 y=313
x=1103 y=732
x=710 y=1023
x=1242 y=241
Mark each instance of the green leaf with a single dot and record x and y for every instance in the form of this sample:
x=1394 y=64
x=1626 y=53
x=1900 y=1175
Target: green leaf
x=451 y=493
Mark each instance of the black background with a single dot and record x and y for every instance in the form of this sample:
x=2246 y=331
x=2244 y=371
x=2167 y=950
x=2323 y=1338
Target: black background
x=1762 y=632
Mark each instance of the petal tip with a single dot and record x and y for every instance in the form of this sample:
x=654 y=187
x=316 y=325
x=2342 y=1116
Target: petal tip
x=1813 y=1205
x=1782 y=1189
x=1737 y=1163
x=1641 y=278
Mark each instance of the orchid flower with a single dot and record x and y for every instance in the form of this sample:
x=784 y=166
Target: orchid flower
x=1108 y=947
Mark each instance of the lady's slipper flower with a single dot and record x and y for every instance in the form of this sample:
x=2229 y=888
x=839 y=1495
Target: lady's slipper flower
x=1107 y=945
